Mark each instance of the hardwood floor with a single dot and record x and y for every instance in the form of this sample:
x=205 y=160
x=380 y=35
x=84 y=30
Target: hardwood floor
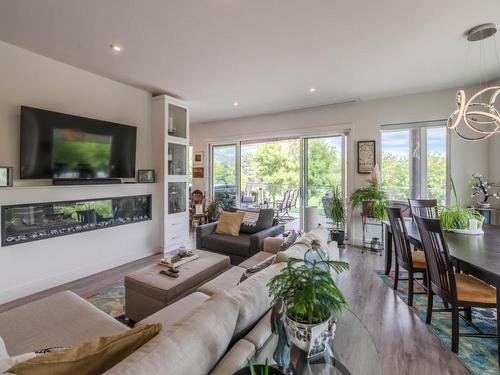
x=405 y=344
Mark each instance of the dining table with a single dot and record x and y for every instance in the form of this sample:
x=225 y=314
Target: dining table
x=474 y=254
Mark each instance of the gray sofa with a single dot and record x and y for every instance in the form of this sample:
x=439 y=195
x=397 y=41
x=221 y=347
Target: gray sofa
x=214 y=330
x=237 y=248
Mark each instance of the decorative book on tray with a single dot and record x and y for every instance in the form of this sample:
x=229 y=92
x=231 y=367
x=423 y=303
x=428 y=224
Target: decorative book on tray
x=176 y=258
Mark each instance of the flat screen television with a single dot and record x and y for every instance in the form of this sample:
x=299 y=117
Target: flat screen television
x=60 y=146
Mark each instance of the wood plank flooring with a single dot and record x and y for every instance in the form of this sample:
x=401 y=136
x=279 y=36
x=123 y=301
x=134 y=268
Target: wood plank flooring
x=405 y=345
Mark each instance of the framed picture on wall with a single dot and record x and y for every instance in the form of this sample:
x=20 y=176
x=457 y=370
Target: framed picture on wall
x=198 y=172
x=366 y=156
x=6 y=176
x=198 y=158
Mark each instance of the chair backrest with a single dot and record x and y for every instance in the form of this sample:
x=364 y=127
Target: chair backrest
x=293 y=199
x=401 y=243
x=286 y=198
x=423 y=207
x=437 y=256
x=404 y=205
x=327 y=206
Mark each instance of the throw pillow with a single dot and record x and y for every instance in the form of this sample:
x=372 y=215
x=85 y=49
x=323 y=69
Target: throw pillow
x=191 y=346
x=258 y=267
x=93 y=357
x=229 y=223
x=256 y=224
x=289 y=240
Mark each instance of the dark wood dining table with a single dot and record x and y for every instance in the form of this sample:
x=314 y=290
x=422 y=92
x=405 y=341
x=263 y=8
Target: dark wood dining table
x=477 y=255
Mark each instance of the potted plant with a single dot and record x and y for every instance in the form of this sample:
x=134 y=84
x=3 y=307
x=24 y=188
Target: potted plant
x=457 y=217
x=338 y=215
x=264 y=369
x=213 y=210
x=310 y=296
x=372 y=199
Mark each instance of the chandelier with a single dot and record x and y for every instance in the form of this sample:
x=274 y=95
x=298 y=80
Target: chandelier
x=477 y=119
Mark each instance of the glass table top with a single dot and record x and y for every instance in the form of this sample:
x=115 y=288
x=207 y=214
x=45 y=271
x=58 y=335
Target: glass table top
x=351 y=352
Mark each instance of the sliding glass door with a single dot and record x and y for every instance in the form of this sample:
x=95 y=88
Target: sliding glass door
x=323 y=169
x=285 y=173
x=224 y=174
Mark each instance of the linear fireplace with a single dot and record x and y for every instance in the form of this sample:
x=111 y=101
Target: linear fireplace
x=37 y=221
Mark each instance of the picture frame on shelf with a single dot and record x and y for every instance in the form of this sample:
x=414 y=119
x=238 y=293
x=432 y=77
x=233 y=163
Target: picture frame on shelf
x=146 y=176
x=198 y=158
x=6 y=176
x=366 y=156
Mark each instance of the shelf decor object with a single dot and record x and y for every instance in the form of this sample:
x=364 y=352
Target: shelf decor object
x=37 y=221
x=146 y=176
x=171 y=142
x=366 y=156
x=6 y=176
x=477 y=118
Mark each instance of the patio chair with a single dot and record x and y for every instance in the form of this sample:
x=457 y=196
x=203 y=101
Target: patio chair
x=292 y=203
x=280 y=206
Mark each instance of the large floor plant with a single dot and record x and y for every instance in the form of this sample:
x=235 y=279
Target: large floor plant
x=310 y=295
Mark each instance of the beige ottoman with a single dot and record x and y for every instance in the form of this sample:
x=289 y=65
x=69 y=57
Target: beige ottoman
x=147 y=291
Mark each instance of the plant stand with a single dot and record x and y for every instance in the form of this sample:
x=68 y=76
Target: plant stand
x=370 y=221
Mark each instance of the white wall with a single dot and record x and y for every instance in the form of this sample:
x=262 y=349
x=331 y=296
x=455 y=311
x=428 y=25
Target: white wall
x=364 y=119
x=29 y=79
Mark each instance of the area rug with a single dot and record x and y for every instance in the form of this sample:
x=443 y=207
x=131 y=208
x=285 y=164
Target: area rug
x=111 y=300
x=479 y=355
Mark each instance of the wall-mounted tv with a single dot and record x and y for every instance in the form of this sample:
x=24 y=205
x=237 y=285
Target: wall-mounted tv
x=60 y=146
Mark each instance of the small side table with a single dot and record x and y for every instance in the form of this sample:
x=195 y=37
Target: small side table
x=370 y=221
x=198 y=219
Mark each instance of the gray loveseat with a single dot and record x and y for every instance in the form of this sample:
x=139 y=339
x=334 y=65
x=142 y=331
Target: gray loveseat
x=237 y=248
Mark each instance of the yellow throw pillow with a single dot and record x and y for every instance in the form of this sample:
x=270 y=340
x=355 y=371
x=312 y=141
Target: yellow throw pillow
x=90 y=358
x=230 y=223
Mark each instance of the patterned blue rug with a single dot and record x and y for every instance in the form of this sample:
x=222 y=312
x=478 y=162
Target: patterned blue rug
x=479 y=355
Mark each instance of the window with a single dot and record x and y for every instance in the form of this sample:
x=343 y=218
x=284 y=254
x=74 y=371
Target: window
x=414 y=161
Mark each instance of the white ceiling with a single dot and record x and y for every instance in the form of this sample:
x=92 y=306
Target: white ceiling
x=265 y=54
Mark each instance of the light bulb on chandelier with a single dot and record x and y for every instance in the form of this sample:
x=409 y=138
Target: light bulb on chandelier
x=480 y=118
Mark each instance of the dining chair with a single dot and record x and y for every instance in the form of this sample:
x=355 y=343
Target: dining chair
x=411 y=261
x=461 y=291
x=423 y=208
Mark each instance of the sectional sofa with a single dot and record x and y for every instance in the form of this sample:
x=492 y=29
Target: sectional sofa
x=214 y=330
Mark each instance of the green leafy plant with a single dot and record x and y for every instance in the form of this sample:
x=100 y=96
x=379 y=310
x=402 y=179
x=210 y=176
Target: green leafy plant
x=371 y=194
x=456 y=217
x=338 y=209
x=214 y=209
x=308 y=290
x=263 y=371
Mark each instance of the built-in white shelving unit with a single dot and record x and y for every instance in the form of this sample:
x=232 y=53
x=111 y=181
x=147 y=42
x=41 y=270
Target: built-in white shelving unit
x=170 y=119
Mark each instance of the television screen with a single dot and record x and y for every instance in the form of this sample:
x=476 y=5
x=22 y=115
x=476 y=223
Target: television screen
x=56 y=145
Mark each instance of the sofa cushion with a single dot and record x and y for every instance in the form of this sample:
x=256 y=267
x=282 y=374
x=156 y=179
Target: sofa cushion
x=289 y=240
x=51 y=321
x=235 y=359
x=228 y=244
x=192 y=346
x=229 y=223
x=261 y=332
x=254 y=299
x=265 y=220
x=177 y=311
x=224 y=281
x=255 y=259
x=257 y=268
x=92 y=357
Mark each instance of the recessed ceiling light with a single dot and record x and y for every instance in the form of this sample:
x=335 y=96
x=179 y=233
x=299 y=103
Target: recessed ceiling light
x=115 y=47
x=236 y=104
x=312 y=89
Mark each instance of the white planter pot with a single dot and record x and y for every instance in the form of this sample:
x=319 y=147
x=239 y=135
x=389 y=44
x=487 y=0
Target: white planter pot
x=301 y=334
